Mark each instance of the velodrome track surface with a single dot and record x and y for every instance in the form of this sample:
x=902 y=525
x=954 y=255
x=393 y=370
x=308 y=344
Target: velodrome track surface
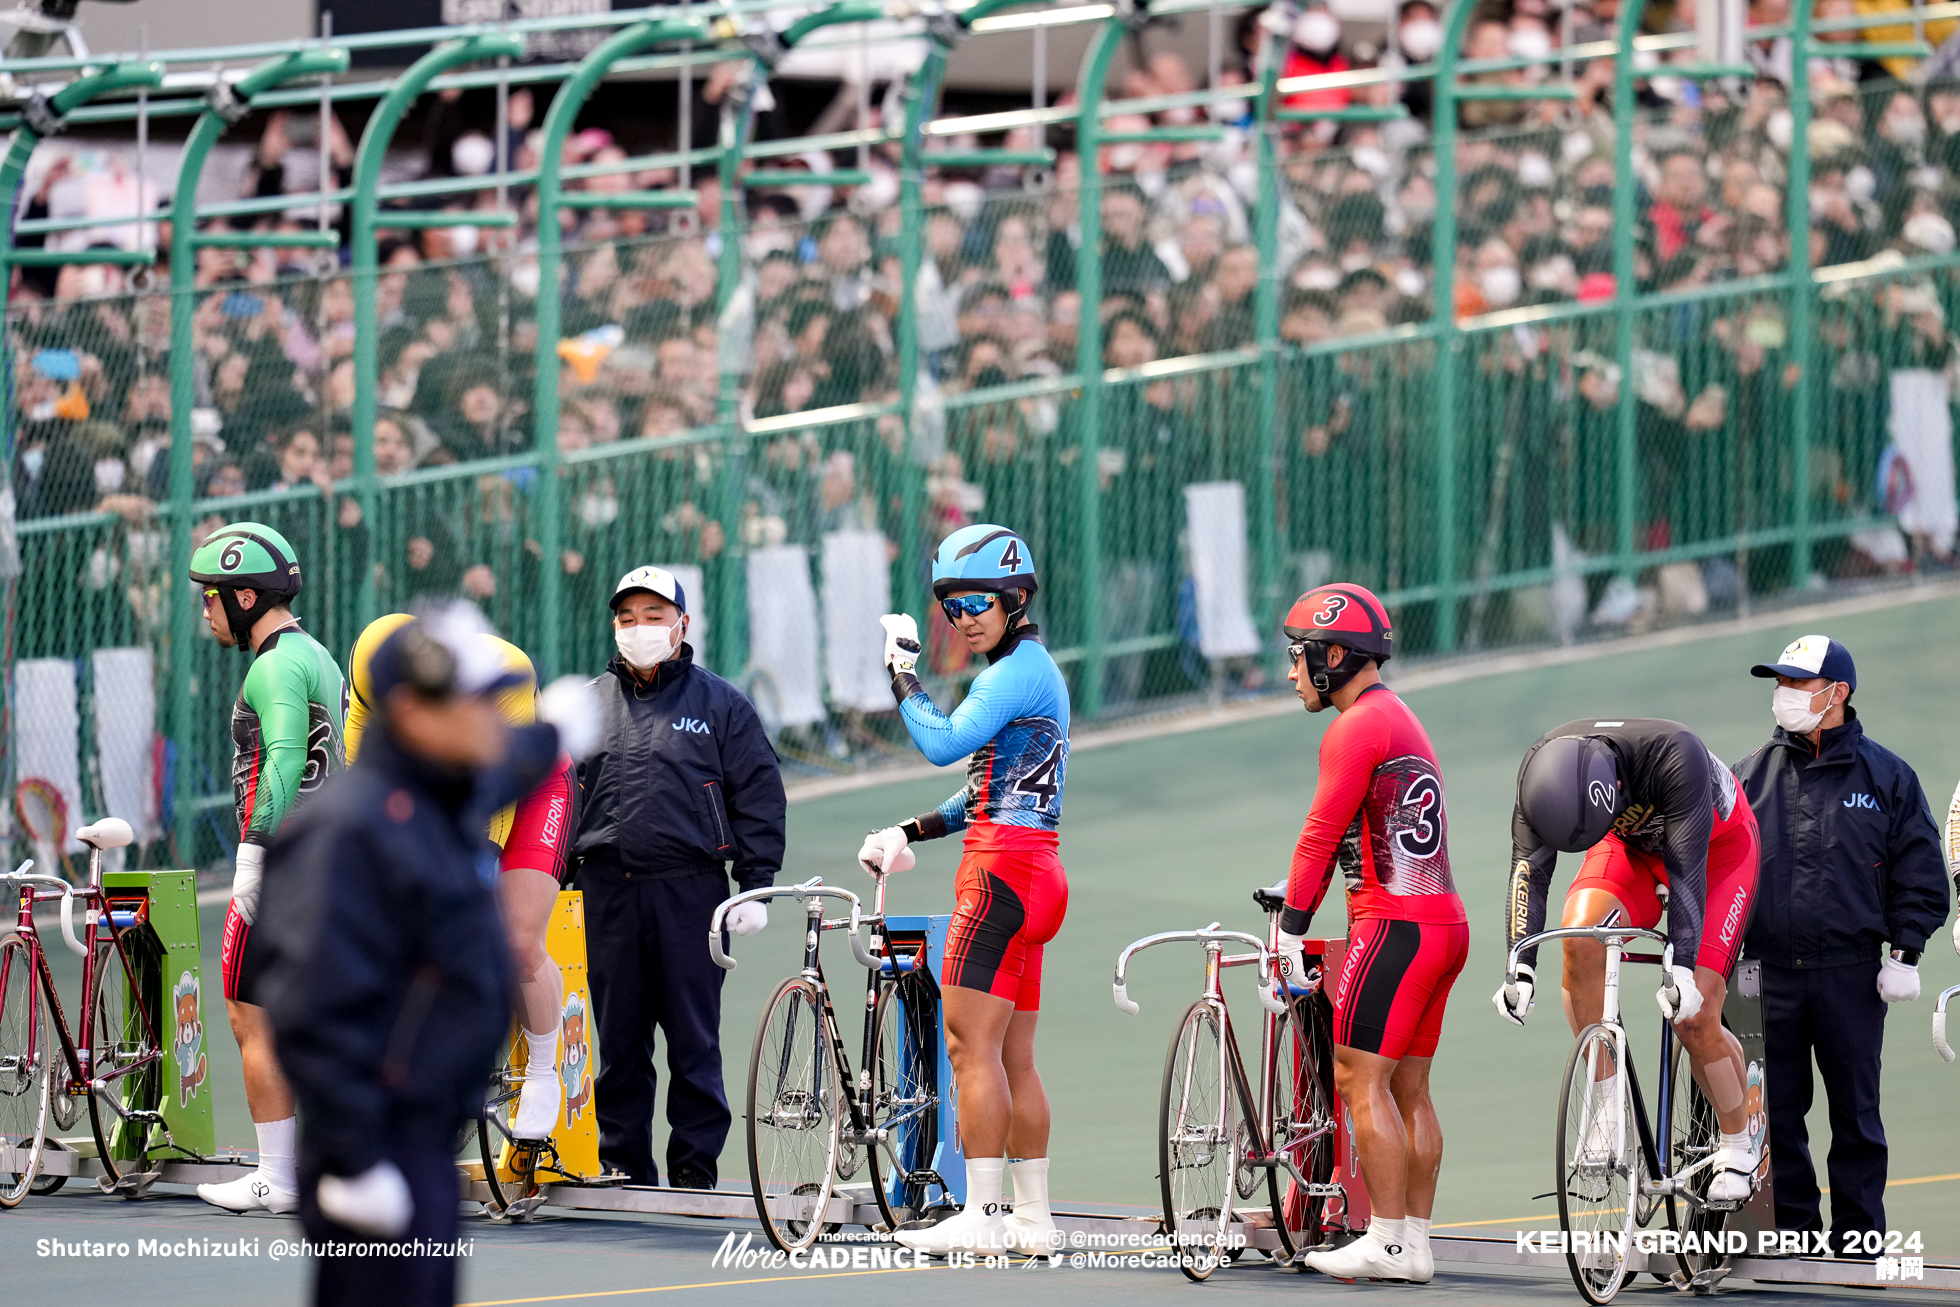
x=1168 y=832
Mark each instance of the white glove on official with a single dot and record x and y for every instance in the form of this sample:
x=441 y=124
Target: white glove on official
x=746 y=918
x=1688 y=995
x=901 y=642
x=572 y=705
x=245 y=881
x=887 y=851
x=376 y=1202
x=1513 y=999
x=1897 y=982
x=1292 y=958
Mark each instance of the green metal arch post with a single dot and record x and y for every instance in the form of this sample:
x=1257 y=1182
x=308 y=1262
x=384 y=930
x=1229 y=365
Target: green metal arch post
x=1802 y=289
x=1088 y=353
x=558 y=123
x=1265 y=315
x=1626 y=465
x=1449 y=341
x=380 y=132
x=210 y=125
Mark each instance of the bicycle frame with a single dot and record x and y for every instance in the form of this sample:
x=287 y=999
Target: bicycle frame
x=1663 y=1184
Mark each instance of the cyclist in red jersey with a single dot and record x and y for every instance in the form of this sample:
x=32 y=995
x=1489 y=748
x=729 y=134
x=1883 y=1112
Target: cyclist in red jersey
x=1378 y=816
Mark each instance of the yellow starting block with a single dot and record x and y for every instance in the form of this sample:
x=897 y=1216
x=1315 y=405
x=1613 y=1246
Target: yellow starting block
x=574 y=1152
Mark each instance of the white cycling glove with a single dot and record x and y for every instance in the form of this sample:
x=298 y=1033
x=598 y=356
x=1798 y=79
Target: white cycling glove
x=250 y=870
x=1513 y=999
x=901 y=642
x=887 y=851
x=746 y=918
x=572 y=705
x=376 y=1202
x=1687 y=1000
x=1897 y=982
x=1292 y=958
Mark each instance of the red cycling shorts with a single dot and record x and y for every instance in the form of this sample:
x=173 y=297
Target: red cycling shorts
x=541 y=828
x=1632 y=877
x=232 y=953
x=1395 y=982
x=1011 y=903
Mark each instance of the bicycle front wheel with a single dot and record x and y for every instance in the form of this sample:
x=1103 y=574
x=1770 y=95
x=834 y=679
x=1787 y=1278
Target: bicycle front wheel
x=25 y=1069
x=1599 y=1165
x=1302 y=1125
x=1197 y=1142
x=125 y=1066
x=793 y=1118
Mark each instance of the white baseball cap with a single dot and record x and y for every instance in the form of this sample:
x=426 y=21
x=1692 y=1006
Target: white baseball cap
x=652 y=580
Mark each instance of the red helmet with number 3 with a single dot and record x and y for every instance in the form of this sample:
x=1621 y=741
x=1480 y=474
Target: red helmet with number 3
x=1343 y=614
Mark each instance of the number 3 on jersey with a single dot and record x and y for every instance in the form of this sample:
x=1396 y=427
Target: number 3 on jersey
x=1043 y=780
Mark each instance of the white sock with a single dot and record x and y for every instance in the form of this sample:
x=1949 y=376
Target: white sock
x=1418 y=1227
x=1030 y=1188
x=542 y=1061
x=276 y=1153
x=1739 y=1142
x=1390 y=1233
x=983 y=1181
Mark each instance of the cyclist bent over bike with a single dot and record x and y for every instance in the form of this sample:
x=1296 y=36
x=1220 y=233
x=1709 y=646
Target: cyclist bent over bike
x=1378 y=815
x=1656 y=814
x=1012 y=892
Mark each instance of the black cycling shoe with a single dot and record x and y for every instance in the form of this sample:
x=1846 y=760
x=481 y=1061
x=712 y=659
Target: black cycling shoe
x=689 y=1177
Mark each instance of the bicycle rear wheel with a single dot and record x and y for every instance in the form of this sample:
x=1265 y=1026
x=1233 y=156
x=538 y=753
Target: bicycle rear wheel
x=1599 y=1167
x=26 y=1060
x=125 y=1066
x=793 y=1117
x=493 y=1129
x=1197 y=1142
x=1302 y=1125
x=902 y=1102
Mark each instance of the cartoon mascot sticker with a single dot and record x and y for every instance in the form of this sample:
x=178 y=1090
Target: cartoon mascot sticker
x=1758 y=1122
x=189 y=1039
x=578 y=1059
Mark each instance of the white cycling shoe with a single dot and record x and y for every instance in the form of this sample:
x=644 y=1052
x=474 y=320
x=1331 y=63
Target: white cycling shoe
x=970 y=1231
x=538 y=1104
x=1369 y=1258
x=1734 y=1174
x=250 y=1193
x=1036 y=1236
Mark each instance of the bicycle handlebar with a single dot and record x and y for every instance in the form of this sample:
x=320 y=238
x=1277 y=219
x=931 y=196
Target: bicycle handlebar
x=23 y=879
x=813 y=888
x=1601 y=933
x=1268 y=969
x=1944 y=1049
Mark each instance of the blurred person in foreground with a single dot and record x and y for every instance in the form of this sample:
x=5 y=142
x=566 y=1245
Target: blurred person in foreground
x=388 y=979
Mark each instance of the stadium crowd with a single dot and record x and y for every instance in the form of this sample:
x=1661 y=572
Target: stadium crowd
x=647 y=351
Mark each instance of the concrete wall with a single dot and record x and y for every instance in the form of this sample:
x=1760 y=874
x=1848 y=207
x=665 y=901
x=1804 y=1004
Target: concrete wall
x=187 y=24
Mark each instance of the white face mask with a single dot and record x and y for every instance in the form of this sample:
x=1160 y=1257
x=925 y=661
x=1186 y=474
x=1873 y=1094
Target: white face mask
x=645 y=646
x=1317 y=31
x=1501 y=285
x=1421 y=39
x=1791 y=708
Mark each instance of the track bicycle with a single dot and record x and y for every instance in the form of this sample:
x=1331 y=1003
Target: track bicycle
x=1944 y=1049
x=812 y=1121
x=111 y=1058
x=1219 y=1141
x=1611 y=1177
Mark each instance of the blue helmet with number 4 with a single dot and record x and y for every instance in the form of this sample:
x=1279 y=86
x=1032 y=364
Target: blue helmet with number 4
x=983 y=557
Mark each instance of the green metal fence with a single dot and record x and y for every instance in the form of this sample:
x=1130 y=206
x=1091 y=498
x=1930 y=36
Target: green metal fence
x=1637 y=424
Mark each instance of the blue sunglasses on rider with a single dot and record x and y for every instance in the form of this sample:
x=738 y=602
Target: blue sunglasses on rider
x=967 y=606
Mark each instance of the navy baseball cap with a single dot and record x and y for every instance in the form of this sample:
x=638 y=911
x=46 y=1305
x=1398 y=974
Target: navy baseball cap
x=1812 y=655
x=650 y=580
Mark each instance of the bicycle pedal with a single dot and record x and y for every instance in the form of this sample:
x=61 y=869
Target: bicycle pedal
x=130 y=1185
x=519 y=1211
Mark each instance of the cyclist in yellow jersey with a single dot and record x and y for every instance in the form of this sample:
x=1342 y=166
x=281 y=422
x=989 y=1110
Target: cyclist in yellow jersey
x=535 y=837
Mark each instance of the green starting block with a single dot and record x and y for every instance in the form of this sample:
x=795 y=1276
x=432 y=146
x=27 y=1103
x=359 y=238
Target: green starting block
x=156 y=911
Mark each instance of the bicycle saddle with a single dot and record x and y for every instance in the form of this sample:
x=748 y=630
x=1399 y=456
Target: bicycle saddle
x=1272 y=898
x=109 y=833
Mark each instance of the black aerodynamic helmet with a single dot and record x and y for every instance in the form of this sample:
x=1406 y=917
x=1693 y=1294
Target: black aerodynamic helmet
x=1569 y=791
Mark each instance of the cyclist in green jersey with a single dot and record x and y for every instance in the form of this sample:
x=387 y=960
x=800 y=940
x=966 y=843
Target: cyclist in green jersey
x=286 y=730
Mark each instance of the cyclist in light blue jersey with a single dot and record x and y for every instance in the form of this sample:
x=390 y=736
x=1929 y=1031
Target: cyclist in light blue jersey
x=1011 y=888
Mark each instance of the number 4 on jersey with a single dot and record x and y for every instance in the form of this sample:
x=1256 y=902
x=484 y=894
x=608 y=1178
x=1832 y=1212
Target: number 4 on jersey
x=1044 y=781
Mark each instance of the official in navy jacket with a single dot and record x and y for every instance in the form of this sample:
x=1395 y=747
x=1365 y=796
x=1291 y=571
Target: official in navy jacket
x=683 y=789
x=387 y=976
x=1852 y=883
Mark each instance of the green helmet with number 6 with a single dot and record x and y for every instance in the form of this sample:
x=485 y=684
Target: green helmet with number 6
x=247 y=556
